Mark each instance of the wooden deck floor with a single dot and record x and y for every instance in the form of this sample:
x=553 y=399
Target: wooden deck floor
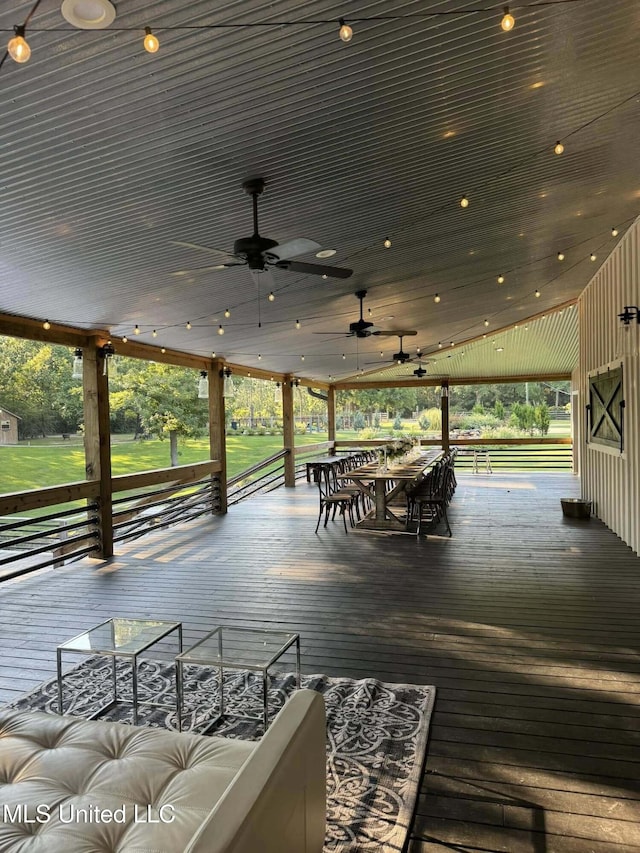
x=526 y=622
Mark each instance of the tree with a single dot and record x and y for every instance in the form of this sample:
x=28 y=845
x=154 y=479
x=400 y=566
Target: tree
x=498 y=409
x=164 y=397
x=542 y=419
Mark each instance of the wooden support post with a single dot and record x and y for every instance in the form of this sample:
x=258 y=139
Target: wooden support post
x=97 y=439
x=444 y=397
x=288 y=436
x=217 y=438
x=331 y=414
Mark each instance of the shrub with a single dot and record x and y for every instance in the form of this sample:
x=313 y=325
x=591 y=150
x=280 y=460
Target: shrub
x=368 y=433
x=358 y=421
x=397 y=424
x=431 y=419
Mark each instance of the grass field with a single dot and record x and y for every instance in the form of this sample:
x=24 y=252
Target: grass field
x=39 y=464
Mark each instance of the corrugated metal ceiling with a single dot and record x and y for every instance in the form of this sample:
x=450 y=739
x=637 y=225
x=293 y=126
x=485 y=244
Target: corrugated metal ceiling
x=109 y=154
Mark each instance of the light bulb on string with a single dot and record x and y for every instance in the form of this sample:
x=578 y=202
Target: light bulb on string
x=136 y=331
x=558 y=148
x=344 y=357
x=259 y=356
x=614 y=231
x=500 y=279
x=163 y=350
x=486 y=322
x=537 y=294
x=124 y=339
x=439 y=344
x=297 y=324
x=387 y=243
x=301 y=358
x=18 y=49
x=188 y=325
x=345 y=32
x=227 y=313
x=561 y=256
x=436 y=298
x=464 y=202
x=508 y=22
x=151 y=43
x=46 y=325
x=220 y=330
x=154 y=334
x=271 y=297
x=592 y=256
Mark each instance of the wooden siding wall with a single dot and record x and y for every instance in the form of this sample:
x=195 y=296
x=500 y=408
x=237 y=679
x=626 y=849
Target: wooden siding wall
x=612 y=480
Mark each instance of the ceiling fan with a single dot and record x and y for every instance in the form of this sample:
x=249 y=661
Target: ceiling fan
x=363 y=328
x=400 y=357
x=260 y=254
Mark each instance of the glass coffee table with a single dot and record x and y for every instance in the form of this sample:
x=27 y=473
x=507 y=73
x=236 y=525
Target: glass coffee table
x=229 y=647
x=118 y=638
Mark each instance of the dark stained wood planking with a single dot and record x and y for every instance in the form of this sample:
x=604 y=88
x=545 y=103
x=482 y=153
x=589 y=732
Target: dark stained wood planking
x=525 y=621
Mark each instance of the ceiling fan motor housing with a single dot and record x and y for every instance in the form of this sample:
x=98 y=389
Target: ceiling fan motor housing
x=401 y=357
x=252 y=248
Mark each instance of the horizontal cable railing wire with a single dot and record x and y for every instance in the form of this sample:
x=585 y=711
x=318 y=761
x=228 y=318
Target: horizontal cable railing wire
x=533 y=457
x=264 y=476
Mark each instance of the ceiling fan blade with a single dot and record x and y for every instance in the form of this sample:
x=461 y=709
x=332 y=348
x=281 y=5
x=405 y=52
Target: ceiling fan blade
x=292 y=248
x=207 y=269
x=263 y=278
x=200 y=248
x=397 y=333
x=314 y=269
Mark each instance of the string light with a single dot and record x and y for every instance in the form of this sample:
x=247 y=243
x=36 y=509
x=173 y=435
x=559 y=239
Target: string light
x=387 y=243
x=297 y=324
x=220 y=330
x=344 y=357
x=154 y=334
x=259 y=357
x=439 y=344
x=46 y=325
x=537 y=294
x=592 y=256
x=227 y=313
x=188 y=326
x=213 y=355
x=614 y=231
x=163 y=350
x=508 y=22
x=436 y=298
x=346 y=32
x=18 y=49
x=301 y=358
x=452 y=344
x=124 y=339
x=151 y=43
x=136 y=331
x=271 y=297
x=558 y=148
x=486 y=322
x=500 y=279
x=464 y=201
x=560 y=256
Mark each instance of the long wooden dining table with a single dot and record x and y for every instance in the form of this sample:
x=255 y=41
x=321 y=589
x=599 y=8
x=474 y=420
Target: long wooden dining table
x=374 y=480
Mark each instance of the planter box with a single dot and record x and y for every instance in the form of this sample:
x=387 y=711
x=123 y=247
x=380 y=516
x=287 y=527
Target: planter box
x=576 y=508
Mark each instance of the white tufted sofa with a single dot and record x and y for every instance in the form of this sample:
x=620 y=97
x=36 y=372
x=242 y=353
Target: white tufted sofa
x=77 y=786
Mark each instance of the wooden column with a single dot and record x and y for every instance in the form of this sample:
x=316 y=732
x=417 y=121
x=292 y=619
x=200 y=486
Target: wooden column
x=331 y=413
x=444 y=397
x=97 y=439
x=288 y=437
x=217 y=436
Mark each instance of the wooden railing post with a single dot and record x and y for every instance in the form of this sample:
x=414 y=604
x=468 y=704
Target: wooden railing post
x=288 y=437
x=331 y=413
x=444 y=397
x=97 y=439
x=217 y=437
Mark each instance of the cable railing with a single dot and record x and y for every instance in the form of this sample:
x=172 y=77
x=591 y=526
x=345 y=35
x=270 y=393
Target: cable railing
x=264 y=476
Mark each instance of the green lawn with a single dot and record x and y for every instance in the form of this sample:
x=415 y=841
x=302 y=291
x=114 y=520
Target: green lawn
x=37 y=464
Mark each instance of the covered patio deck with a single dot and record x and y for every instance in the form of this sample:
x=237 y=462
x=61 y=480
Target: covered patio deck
x=525 y=621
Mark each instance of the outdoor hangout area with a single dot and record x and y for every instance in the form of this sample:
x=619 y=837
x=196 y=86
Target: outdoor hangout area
x=319 y=427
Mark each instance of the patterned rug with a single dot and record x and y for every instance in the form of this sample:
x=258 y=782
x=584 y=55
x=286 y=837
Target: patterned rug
x=376 y=734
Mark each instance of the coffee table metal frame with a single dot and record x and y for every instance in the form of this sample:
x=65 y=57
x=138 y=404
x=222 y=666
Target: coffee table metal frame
x=74 y=646
x=220 y=660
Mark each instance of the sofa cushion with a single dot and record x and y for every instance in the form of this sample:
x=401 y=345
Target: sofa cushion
x=65 y=764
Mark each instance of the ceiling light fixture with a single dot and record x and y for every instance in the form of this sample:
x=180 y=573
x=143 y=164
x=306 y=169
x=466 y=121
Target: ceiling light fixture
x=558 y=148
x=18 y=49
x=345 y=32
x=508 y=22
x=203 y=386
x=464 y=201
x=151 y=43
x=88 y=14
x=76 y=372
x=326 y=253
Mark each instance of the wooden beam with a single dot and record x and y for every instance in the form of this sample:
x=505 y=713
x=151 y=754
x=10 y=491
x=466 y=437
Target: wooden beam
x=444 y=409
x=217 y=432
x=33 y=330
x=181 y=474
x=453 y=380
x=18 y=502
x=288 y=432
x=331 y=412
x=97 y=440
